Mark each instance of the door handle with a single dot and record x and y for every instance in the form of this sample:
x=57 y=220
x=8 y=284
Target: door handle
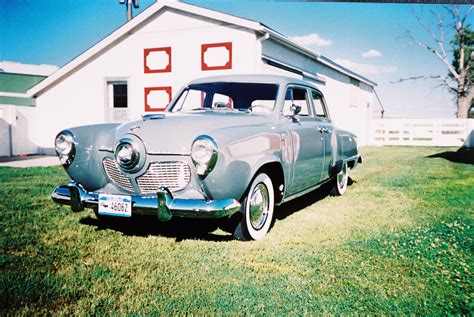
x=323 y=130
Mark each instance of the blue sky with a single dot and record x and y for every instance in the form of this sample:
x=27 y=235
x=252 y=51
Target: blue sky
x=54 y=32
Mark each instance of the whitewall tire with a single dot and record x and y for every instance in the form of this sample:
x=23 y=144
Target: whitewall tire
x=257 y=210
x=340 y=181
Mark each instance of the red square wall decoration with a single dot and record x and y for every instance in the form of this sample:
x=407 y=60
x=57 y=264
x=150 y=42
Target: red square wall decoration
x=157 y=60
x=157 y=98
x=216 y=56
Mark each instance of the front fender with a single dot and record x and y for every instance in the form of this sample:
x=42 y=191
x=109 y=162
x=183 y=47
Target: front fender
x=238 y=162
x=92 y=144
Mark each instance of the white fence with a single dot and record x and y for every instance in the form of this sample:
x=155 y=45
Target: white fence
x=424 y=132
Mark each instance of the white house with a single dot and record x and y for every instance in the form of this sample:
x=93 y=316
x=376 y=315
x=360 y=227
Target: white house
x=17 y=109
x=140 y=66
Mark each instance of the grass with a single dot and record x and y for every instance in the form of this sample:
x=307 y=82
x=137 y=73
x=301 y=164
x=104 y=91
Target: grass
x=400 y=241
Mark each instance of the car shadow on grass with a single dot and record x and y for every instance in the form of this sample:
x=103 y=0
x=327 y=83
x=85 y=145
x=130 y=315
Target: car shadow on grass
x=287 y=209
x=143 y=226
x=196 y=229
x=464 y=155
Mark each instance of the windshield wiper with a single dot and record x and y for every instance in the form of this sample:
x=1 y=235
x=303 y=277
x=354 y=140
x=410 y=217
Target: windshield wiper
x=226 y=109
x=189 y=110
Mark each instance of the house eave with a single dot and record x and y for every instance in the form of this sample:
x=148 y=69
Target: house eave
x=128 y=27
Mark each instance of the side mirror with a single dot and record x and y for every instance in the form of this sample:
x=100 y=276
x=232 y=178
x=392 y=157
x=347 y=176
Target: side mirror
x=295 y=109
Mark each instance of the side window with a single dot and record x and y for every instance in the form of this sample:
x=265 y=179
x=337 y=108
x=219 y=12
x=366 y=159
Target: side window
x=297 y=96
x=319 y=105
x=221 y=101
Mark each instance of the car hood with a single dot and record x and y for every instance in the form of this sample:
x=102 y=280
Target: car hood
x=173 y=133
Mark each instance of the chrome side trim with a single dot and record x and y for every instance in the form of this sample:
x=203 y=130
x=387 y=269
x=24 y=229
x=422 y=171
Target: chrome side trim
x=355 y=158
x=106 y=149
x=286 y=199
x=162 y=204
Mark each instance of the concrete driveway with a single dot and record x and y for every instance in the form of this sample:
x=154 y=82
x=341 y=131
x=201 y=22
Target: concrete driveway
x=29 y=161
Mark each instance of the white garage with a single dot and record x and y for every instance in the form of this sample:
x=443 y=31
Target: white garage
x=139 y=67
x=17 y=109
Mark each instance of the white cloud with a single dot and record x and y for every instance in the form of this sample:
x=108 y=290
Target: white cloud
x=366 y=69
x=371 y=53
x=311 y=40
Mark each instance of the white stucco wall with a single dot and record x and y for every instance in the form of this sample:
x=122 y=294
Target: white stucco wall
x=15 y=127
x=81 y=98
x=350 y=106
x=4 y=132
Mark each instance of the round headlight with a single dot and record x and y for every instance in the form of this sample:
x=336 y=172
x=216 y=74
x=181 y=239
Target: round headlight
x=204 y=154
x=201 y=151
x=126 y=155
x=64 y=143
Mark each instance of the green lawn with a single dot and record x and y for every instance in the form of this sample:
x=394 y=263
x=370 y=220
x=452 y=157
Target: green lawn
x=400 y=241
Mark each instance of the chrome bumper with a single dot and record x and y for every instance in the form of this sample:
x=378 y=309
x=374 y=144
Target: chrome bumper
x=162 y=204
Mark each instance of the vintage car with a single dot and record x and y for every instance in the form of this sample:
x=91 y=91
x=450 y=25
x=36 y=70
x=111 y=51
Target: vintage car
x=227 y=147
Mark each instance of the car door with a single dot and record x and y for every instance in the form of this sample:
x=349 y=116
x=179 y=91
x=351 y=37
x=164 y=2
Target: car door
x=326 y=131
x=308 y=144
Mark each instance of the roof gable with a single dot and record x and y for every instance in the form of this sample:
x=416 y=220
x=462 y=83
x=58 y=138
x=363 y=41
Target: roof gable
x=132 y=25
x=148 y=14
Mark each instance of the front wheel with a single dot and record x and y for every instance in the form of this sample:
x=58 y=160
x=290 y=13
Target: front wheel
x=340 y=181
x=257 y=210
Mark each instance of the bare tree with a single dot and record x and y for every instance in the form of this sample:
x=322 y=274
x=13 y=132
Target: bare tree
x=459 y=80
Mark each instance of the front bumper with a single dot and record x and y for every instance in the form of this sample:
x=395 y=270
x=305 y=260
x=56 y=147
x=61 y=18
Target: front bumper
x=162 y=204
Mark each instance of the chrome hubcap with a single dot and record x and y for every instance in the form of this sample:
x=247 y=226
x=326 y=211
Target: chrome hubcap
x=341 y=176
x=259 y=206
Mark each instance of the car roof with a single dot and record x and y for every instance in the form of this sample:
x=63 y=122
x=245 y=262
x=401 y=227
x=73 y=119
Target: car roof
x=272 y=79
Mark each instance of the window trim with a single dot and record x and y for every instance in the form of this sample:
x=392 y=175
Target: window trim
x=308 y=101
x=112 y=81
x=327 y=118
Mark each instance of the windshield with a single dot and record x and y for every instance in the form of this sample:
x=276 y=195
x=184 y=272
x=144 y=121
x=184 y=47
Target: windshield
x=248 y=97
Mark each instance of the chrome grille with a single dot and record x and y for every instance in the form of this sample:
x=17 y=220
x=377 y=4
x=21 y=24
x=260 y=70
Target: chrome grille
x=115 y=175
x=173 y=175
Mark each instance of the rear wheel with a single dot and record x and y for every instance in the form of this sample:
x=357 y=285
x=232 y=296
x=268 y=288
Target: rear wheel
x=257 y=210
x=340 y=181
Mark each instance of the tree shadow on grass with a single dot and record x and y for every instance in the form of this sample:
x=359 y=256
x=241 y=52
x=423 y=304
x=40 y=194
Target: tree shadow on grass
x=464 y=155
x=143 y=226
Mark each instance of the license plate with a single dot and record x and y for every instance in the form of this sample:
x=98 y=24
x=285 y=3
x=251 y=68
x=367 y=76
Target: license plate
x=115 y=205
